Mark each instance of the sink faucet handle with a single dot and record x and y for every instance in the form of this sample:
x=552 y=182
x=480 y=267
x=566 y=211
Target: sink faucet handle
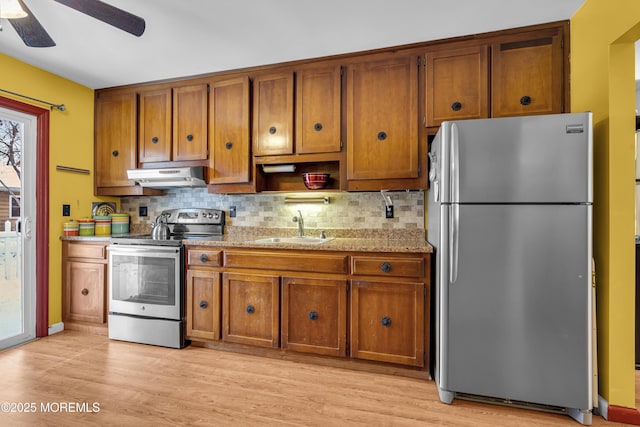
x=322 y=235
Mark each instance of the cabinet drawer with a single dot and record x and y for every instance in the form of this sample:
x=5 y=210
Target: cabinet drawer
x=208 y=257
x=387 y=266
x=290 y=262
x=77 y=250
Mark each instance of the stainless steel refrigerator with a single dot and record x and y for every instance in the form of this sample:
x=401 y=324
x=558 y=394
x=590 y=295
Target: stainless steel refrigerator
x=510 y=218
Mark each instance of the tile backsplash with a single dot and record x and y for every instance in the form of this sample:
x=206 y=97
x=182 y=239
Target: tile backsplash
x=345 y=210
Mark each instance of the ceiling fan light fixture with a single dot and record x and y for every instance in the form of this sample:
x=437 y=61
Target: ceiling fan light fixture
x=11 y=9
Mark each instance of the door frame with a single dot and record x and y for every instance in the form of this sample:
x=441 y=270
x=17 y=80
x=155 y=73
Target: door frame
x=42 y=209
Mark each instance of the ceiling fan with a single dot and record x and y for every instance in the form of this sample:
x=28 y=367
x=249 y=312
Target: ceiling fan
x=34 y=35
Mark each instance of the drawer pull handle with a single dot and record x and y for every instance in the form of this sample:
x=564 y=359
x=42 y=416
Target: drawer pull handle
x=272 y=130
x=228 y=145
x=203 y=304
x=189 y=137
x=317 y=127
x=115 y=153
x=313 y=315
x=382 y=136
x=385 y=267
x=251 y=309
x=155 y=139
x=204 y=258
x=85 y=291
x=456 y=106
x=386 y=321
x=525 y=100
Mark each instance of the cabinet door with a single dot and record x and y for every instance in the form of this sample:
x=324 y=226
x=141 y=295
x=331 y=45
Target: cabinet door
x=526 y=77
x=273 y=114
x=250 y=309
x=85 y=291
x=230 y=157
x=314 y=315
x=457 y=85
x=387 y=321
x=382 y=119
x=190 y=122
x=203 y=304
x=154 y=126
x=318 y=110
x=115 y=143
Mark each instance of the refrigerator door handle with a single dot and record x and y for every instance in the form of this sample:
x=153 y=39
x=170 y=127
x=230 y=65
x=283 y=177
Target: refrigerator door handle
x=454 y=176
x=433 y=176
x=454 y=225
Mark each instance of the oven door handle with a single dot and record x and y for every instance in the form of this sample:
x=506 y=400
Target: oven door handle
x=146 y=250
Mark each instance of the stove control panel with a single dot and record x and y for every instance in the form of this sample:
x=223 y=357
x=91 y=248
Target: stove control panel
x=194 y=216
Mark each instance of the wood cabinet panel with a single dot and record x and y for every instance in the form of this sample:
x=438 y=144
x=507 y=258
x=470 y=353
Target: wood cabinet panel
x=84 y=250
x=154 y=130
x=229 y=124
x=250 y=309
x=387 y=322
x=318 y=100
x=85 y=291
x=273 y=114
x=115 y=139
x=203 y=304
x=527 y=76
x=291 y=261
x=382 y=119
x=190 y=122
x=204 y=257
x=387 y=266
x=314 y=315
x=457 y=84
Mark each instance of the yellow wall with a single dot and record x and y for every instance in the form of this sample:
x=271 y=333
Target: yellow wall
x=602 y=80
x=70 y=144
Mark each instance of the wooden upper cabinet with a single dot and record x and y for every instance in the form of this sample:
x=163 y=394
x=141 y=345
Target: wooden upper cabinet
x=318 y=99
x=457 y=84
x=154 y=130
x=382 y=119
x=229 y=112
x=190 y=122
x=527 y=76
x=273 y=114
x=115 y=139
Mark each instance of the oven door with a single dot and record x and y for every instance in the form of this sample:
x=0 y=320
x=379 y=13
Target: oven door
x=145 y=281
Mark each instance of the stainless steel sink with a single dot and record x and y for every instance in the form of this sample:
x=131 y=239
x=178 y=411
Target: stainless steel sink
x=295 y=240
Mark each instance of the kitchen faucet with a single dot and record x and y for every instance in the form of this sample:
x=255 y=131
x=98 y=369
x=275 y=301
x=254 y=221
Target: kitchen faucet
x=300 y=222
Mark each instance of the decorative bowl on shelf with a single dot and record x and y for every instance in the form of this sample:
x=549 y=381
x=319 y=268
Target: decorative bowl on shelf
x=315 y=180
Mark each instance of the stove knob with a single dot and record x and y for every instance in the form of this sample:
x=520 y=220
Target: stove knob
x=210 y=215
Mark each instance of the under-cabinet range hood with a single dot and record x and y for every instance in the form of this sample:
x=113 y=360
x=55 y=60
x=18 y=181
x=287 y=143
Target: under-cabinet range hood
x=168 y=177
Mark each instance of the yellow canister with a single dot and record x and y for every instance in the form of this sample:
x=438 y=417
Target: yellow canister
x=103 y=225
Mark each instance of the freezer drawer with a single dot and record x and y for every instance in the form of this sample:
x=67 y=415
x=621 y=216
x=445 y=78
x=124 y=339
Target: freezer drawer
x=515 y=303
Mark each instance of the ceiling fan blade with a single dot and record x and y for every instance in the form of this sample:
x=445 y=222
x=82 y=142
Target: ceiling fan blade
x=30 y=30
x=109 y=14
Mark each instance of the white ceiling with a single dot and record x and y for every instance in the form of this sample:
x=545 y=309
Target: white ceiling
x=191 y=37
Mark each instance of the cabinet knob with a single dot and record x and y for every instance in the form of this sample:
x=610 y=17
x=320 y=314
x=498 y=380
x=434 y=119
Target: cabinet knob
x=385 y=267
x=313 y=315
x=189 y=137
x=272 y=130
x=386 y=321
x=85 y=291
x=317 y=127
x=456 y=106
x=203 y=304
x=525 y=100
x=155 y=139
x=115 y=153
x=228 y=145
x=382 y=136
x=251 y=309
x=204 y=258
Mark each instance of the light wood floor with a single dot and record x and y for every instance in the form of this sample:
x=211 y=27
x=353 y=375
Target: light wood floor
x=140 y=385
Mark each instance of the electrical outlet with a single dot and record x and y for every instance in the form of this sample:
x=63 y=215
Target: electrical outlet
x=142 y=211
x=232 y=211
x=388 y=211
x=66 y=210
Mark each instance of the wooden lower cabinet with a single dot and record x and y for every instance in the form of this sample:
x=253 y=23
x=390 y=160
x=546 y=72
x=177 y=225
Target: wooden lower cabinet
x=250 y=309
x=203 y=304
x=314 y=315
x=387 y=321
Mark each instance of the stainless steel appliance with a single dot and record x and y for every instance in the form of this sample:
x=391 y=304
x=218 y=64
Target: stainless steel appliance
x=510 y=217
x=146 y=278
x=168 y=177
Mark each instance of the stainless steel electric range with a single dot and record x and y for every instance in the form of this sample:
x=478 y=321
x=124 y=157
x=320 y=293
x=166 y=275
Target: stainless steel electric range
x=146 y=278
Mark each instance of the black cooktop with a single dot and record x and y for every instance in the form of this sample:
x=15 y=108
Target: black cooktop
x=173 y=240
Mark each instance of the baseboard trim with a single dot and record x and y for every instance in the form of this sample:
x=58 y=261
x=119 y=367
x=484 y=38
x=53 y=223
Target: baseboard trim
x=55 y=328
x=622 y=414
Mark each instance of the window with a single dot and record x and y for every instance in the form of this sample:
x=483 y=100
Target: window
x=14 y=207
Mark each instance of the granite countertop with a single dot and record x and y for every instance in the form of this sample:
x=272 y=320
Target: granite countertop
x=366 y=240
